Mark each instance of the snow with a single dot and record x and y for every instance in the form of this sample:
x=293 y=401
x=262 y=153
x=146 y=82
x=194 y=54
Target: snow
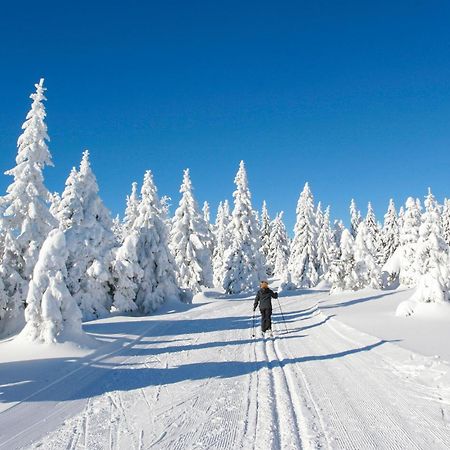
x=347 y=374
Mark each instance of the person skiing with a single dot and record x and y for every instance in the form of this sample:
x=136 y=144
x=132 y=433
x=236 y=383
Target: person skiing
x=264 y=298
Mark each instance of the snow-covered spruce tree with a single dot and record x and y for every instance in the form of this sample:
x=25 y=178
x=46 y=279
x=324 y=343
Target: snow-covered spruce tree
x=278 y=257
x=265 y=237
x=390 y=234
x=374 y=229
x=355 y=218
x=303 y=262
x=401 y=217
x=209 y=237
x=319 y=215
x=432 y=257
x=223 y=241
x=367 y=270
x=26 y=218
x=409 y=235
x=243 y=268
x=117 y=229
x=131 y=210
x=338 y=228
x=52 y=314
x=326 y=246
x=189 y=240
x=342 y=275
x=445 y=221
x=90 y=241
x=150 y=240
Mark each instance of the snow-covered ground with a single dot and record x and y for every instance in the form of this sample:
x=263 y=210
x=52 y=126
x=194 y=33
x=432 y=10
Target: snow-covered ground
x=348 y=374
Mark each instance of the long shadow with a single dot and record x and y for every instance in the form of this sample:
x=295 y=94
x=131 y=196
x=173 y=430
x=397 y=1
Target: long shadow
x=101 y=378
x=356 y=301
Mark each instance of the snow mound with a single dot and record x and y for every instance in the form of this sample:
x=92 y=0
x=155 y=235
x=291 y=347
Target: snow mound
x=405 y=309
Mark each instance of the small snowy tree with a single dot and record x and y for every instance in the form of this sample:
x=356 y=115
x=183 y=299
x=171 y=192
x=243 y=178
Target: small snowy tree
x=326 y=246
x=26 y=217
x=278 y=257
x=374 y=230
x=366 y=268
x=209 y=239
x=432 y=257
x=243 y=268
x=223 y=241
x=90 y=241
x=342 y=275
x=409 y=235
x=390 y=233
x=117 y=229
x=265 y=237
x=355 y=218
x=52 y=314
x=189 y=241
x=338 y=228
x=303 y=262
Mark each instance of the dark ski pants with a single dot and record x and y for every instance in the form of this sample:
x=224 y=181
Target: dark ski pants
x=266 y=319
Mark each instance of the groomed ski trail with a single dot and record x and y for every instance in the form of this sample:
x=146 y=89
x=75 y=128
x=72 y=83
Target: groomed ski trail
x=196 y=379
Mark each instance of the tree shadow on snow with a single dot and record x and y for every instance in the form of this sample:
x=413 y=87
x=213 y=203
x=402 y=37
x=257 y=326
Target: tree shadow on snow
x=86 y=380
x=357 y=300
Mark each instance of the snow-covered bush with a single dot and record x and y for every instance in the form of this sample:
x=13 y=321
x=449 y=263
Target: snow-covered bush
x=52 y=314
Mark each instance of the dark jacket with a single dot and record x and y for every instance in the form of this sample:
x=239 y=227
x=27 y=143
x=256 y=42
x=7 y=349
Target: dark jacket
x=264 y=298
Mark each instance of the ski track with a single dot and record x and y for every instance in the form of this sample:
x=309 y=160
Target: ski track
x=322 y=385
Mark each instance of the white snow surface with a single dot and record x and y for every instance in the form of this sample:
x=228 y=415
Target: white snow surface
x=346 y=373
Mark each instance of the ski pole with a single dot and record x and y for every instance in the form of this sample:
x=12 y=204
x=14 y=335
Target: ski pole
x=253 y=324
x=282 y=315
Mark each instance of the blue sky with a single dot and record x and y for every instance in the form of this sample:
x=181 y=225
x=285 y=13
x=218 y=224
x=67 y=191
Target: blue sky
x=352 y=96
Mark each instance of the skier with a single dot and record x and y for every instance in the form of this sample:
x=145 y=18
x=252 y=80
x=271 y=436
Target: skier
x=264 y=298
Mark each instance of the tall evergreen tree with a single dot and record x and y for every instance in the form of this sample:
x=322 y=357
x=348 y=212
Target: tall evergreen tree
x=189 y=242
x=355 y=218
x=132 y=209
x=26 y=218
x=445 y=221
x=374 y=229
x=432 y=257
x=390 y=235
x=303 y=262
x=326 y=246
x=409 y=235
x=150 y=239
x=278 y=257
x=265 y=237
x=243 y=268
x=367 y=271
x=88 y=228
x=223 y=241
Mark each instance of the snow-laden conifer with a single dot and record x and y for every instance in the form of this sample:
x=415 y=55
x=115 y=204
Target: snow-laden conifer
x=189 y=242
x=355 y=218
x=278 y=257
x=303 y=262
x=150 y=241
x=326 y=246
x=342 y=275
x=90 y=240
x=52 y=314
x=131 y=210
x=367 y=270
x=243 y=268
x=445 y=221
x=223 y=241
x=265 y=237
x=26 y=218
x=117 y=229
x=409 y=235
x=390 y=235
x=431 y=257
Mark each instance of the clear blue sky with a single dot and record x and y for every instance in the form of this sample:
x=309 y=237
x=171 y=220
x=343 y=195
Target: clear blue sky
x=352 y=96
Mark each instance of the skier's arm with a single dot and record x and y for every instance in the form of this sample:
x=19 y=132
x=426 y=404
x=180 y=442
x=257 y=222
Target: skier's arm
x=274 y=294
x=255 y=304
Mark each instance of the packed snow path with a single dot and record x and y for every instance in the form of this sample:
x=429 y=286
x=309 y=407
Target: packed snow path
x=196 y=379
